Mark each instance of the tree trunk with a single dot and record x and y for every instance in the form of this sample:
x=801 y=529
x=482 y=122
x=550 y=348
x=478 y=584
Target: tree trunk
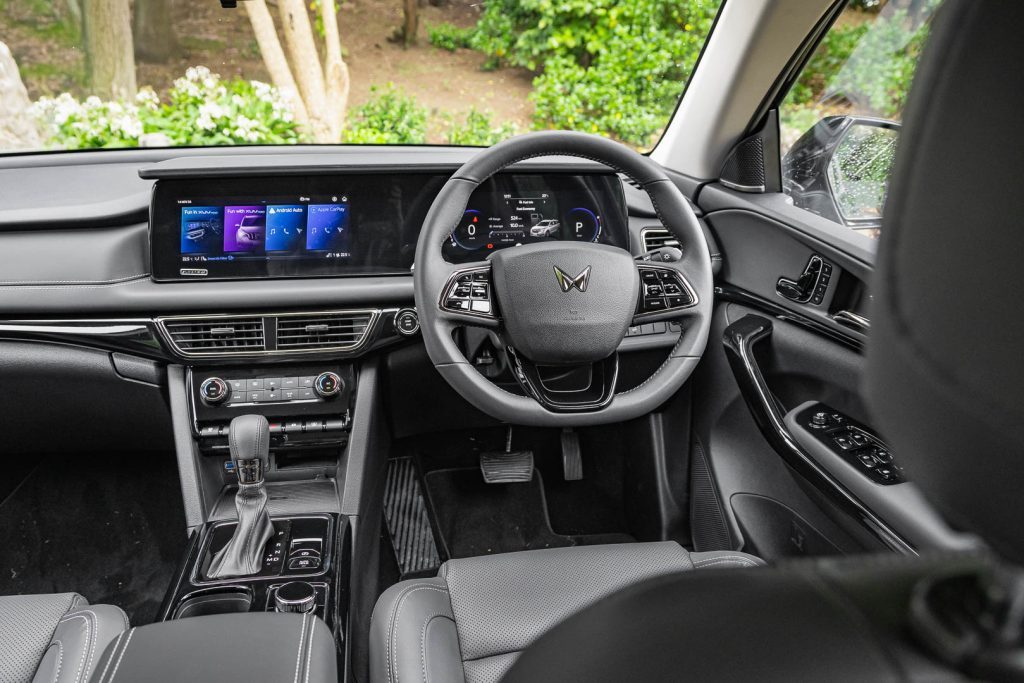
x=298 y=36
x=411 y=23
x=153 y=30
x=336 y=71
x=274 y=57
x=110 y=59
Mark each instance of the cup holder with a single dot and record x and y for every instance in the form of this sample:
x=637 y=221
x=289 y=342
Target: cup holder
x=218 y=601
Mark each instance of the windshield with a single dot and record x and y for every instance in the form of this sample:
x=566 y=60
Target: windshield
x=87 y=74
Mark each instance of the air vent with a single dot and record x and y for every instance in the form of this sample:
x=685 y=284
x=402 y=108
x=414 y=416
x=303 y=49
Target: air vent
x=216 y=335
x=655 y=238
x=323 y=331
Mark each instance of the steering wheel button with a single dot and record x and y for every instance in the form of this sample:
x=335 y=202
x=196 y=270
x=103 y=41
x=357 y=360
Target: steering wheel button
x=649 y=276
x=654 y=304
x=480 y=277
x=481 y=306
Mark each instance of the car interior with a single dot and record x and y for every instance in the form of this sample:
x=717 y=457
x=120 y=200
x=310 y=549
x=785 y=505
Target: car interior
x=547 y=410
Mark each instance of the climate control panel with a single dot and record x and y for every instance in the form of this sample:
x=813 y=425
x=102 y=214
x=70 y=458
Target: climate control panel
x=286 y=394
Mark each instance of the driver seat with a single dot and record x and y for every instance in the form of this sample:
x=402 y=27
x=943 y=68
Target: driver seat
x=472 y=621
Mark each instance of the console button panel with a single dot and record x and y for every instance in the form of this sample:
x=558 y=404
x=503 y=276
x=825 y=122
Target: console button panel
x=853 y=442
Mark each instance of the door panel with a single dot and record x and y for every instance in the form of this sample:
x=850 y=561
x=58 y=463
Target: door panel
x=779 y=494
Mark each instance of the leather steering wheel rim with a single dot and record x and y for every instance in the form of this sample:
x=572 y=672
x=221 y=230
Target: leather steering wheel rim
x=433 y=274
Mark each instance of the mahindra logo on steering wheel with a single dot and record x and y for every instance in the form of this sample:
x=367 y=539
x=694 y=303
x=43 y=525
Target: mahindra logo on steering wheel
x=566 y=282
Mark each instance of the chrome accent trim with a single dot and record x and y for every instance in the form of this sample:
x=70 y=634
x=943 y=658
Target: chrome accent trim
x=742 y=188
x=852 y=320
x=450 y=285
x=349 y=348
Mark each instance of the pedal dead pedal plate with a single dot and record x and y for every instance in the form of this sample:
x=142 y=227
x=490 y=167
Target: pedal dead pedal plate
x=507 y=468
x=405 y=512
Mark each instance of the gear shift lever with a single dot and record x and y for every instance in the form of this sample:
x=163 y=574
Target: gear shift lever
x=249 y=441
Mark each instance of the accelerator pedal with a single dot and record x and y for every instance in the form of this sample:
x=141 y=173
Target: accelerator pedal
x=509 y=467
x=405 y=512
x=572 y=456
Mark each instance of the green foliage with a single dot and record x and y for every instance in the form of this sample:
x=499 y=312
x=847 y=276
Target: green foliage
x=478 y=129
x=870 y=66
x=389 y=118
x=604 y=66
x=833 y=52
x=202 y=110
x=449 y=36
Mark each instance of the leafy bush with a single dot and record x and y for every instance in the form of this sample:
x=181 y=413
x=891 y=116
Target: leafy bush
x=835 y=49
x=478 y=129
x=449 y=36
x=608 y=67
x=389 y=118
x=202 y=110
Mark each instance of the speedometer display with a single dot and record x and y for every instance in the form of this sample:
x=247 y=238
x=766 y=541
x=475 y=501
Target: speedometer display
x=515 y=209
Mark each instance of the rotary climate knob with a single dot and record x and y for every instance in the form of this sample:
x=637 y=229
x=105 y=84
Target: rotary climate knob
x=328 y=385
x=214 y=390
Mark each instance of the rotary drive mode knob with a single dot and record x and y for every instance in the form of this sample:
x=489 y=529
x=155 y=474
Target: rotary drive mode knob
x=295 y=596
x=214 y=390
x=327 y=385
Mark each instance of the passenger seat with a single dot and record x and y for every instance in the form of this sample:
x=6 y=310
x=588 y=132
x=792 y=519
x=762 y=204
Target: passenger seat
x=56 y=638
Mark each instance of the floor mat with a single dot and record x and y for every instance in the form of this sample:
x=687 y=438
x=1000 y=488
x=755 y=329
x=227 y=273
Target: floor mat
x=110 y=529
x=476 y=518
x=405 y=513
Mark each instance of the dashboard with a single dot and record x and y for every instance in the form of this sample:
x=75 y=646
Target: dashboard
x=350 y=224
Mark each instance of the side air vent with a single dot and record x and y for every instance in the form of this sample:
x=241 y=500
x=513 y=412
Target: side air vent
x=323 y=331
x=655 y=238
x=216 y=335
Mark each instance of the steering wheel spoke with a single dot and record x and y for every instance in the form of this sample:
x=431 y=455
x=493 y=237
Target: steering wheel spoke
x=468 y=297
x=567 y=388
x=665 y=294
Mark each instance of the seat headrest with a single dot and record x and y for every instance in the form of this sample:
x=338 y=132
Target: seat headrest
x=945 y=377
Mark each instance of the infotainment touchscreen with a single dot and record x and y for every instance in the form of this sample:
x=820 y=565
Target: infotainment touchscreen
x=362 y=224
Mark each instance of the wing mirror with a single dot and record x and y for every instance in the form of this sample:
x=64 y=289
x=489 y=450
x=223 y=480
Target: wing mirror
x=839 y=169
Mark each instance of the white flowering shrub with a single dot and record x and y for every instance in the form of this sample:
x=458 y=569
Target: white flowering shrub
x=202 y=109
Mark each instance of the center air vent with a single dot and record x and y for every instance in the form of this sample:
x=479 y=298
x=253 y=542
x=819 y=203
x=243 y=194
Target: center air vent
x=323 y=331
x=216 y=336
x=656 y=238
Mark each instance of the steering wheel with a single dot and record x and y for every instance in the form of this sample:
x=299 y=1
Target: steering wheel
x=561 y=309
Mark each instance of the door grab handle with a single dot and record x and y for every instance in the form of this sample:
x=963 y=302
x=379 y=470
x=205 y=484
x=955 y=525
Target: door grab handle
x=852 y=320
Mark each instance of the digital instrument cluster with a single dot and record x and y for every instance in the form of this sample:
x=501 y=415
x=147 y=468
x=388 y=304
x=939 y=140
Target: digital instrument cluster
x=515 y=209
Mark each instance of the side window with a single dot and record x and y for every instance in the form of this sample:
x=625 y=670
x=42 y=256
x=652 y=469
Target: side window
x=840 y=122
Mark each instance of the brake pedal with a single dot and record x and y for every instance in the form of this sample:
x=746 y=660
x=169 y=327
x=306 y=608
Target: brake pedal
x=509 y=467
x=572 y=456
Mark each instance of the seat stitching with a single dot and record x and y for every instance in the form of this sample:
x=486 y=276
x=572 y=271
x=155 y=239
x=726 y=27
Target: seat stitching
x=740 y=562
x=117 y=666
x=309 y=646
x=85 y=645
x=60 y=657
x=298 y=653
x=95 y=636
x=117 y=644
x=393 y=633
x=391 y=621
x=423 y=640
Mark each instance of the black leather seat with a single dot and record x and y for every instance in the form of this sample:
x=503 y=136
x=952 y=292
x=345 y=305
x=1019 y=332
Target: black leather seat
x=55 y=638
x=471 y=622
